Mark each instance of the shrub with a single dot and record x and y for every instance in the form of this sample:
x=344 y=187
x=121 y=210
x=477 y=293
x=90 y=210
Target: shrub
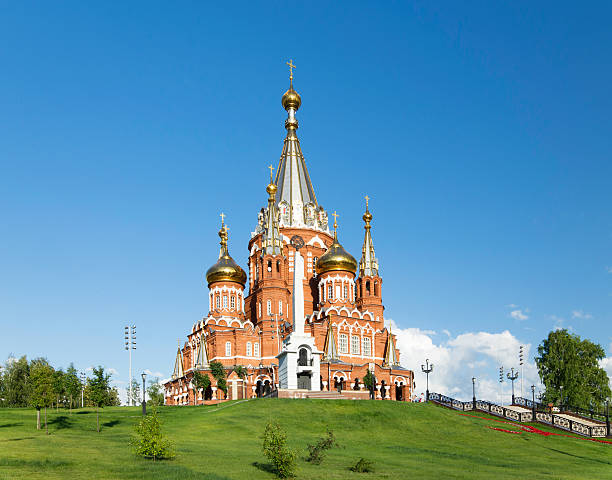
x=275 y=448
x=363 y=466
x=149 y=441
x=317 y=452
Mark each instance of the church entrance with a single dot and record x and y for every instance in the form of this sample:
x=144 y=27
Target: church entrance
x=208 y=393
x=303 y=381
x=399 y=392
x=259 y=389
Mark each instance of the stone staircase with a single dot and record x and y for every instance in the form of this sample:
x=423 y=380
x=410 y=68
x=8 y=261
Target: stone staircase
x=325 y=395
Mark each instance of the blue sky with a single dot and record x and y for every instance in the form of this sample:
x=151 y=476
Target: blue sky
x=480 y=132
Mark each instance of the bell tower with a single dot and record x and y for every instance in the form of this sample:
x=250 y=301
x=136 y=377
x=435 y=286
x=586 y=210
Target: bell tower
x=369 y=283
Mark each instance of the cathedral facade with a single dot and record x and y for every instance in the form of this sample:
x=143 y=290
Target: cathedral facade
x=302 y=286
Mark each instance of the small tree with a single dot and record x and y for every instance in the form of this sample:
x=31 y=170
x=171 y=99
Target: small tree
x=135 y=398
x=369 y=380
x=59 y=386
x=99 y=387
x=72 y=384
x=240 y=371
x=149 y=441
x=218 y=372
x=16 y=382
x=199 y=381
x=275 y=449
x=41 y=377
x=316 y=452
x=156 y=396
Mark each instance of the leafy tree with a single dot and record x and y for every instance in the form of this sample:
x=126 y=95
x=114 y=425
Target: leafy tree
x=59 y=387
x=134 y=398
x=43 y=393
x=72 y=385
x=569 y=366
x=154 y=391
x=15 y=382
x=275 y=448
x=149 y=441
x=316 y=452
x=113 y=398
x=99 y=388
x=218 y=372
x=369 y=380
x=240 y=371
x=199 y=381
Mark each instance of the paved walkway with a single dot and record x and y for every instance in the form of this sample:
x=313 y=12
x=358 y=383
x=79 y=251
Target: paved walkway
x=517 y=408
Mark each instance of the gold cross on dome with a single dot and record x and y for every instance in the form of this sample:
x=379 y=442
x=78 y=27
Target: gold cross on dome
x=291 y=67
x=367 y=199
x=335 y=215
x=271 y=171
x=222 y=218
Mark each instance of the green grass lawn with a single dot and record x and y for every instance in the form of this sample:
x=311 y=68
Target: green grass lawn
x=403 y=440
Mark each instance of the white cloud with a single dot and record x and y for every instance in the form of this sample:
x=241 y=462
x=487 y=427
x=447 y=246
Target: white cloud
x=581 y=315
x=458 y=359
x=112 y=371
x=519 y=314
x=446 y=332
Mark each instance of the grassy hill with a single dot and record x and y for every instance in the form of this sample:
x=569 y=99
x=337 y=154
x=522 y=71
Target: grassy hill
x=403 y=440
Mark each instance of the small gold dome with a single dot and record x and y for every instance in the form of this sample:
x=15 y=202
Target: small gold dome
x=271 y=188
x=336 y=258
x=291 y=99
x=226 y=269
x=367 y=217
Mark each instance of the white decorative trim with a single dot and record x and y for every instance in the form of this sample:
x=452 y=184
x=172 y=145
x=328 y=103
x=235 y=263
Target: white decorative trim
x=316 y=239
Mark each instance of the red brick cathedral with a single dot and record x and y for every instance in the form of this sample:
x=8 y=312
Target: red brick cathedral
x=339 y=309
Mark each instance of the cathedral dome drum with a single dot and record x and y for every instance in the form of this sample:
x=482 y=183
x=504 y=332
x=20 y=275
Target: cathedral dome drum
x=336 y=259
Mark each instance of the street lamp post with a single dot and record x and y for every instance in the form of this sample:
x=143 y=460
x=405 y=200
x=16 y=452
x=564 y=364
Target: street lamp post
x=473 y=393
x=512 y=377
x=521 y=363
x=427 y=369
x=533 y=402
x=561 y=389
x=608 y=433
x=501 y=385
x=144 y=401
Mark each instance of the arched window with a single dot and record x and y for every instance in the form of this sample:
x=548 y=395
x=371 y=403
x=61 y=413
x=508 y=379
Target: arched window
x=343 y=343
x=303 y=357
x=239 y=302
x=376 y=288
x=345 y=292
x=256 y=349
x=354 y=345
x=368 y=287
x=367 y=347
x=269 y=307
x=257 y=272
x=280 y=307
x=228 y=349
x=249 y=349
x=259 y=309
x=217 y=301
x=224 y=301
x=330 y=292
x=278 y=266
x=233 y=302
x=269 y=265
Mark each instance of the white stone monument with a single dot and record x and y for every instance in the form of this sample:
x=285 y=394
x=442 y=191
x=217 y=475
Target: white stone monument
x=299 y=361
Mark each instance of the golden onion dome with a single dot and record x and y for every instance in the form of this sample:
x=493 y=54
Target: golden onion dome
x=291 y=99
x=226 y=269
x=271 y=188
x=336 y=259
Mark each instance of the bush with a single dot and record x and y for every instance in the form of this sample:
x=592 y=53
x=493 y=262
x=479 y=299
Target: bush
x=275 y=448
x=317 y=451
x=363 y=466
x=149 y=441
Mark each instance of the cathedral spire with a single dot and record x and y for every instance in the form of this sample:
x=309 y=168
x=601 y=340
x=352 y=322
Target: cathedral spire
x=272 y=243
x=331 y=351
x=368 y=265
x=202 y=354
x=178 y=363
x=390 y=355
x=295 y=194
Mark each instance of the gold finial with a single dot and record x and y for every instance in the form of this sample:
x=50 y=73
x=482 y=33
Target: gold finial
x=271 y=188
x=291 y=67
x=222 y=218
x=367 y=216
x=335 y=215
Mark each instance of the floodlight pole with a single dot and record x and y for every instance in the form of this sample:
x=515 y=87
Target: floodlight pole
x=130 y=344
x=533 y=403
x=473 y=393
x=512 y=377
